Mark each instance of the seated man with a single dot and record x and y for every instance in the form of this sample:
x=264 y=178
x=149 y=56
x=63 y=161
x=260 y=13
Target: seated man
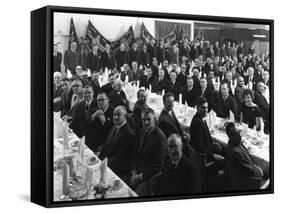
x=243 y=169
x=149 y=153
x=100 y=123
x=225 y=103
x=263 y=104
x=119 y=144
x=65 y=96
x=190 y=94
x=94 y=82
x=180 y=176
x=117 y=96
x=83 y=112
x=108 y=88
x=207 y=92
x=174 y=86
x=140 y=107
x=149 y=81
x=200 y=137
x=169 y=123
x=162 y=82
x=57 y=91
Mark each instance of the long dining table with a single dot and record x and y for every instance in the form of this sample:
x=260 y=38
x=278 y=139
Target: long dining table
x=74 y=154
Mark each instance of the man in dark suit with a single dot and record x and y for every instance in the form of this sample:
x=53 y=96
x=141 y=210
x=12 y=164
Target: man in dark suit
x=65 y=96
x=195 y=77
x=190 y=94
x=121 y=57
x=117 y=97
x=108 y=60
x=242 y=165
x=57 y=91
x=108 y=88
x=135 y=74
x=200 y=137
x=94 y=82
x=72 y=58
x=57 y=59
x=94 y=60
x=262 y=104
x=184 y=50
x=169 y=123
x=140 y=107
x=225 y=102
x=239 y=90
x=182 y=75
x=134 y=54
x=207 y=92
x=161 y=51
x=119 y=144
x=174 y=86
x=150 y=152
x=83 y=111
x=165 y=69
x=180 y=176
x=216 y=49
x=162 y=82
x=149 y=81
x=252 y=78
x=173 y=56
x=145 y=58
x=100 y=123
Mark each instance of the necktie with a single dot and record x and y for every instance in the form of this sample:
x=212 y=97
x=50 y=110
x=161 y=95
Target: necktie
x=87 y=106
x=145 y=138
x=114 y=132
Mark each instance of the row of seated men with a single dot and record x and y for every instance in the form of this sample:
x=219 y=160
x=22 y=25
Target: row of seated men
x=152 y=156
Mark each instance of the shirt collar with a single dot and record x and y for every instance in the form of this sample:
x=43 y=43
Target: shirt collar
x=118 y=127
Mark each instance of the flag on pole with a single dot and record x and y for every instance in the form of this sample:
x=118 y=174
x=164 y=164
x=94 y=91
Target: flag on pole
x=127 y=39
x=199 y=37
x=145 y=34
x=94 y=37
x=72 y=34
x=183 y=37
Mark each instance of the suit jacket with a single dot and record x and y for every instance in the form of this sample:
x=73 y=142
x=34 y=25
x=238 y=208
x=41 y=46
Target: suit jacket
x=210 y=97
x=116 y=99
x=241 y=163
x=164 y=84
x=108 y=61
x=239 y=97
x=190 y=96
x=57 y=92
x=176 y=89
x=145 y=82
x=121 y=58
x=200 y=137
x=182 y=180
x=173 y=58
x=94 y=62
x=66 y=101
x=169 y=124
x=135 y=75
x=145 y=58
x=71 y=60
x=196 y=83
x=134 y=56
x=137 y=112
x=224 y=106
x=150 y=153
x=118 y=148
x=57 y=62
x=184 y=51
x=160 y=54
x=81 y=116
x=181 y=78
x=262 y=104
x=96 y=132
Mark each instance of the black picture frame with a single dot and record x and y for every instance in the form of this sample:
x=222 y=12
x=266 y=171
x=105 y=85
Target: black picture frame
x=41 y=102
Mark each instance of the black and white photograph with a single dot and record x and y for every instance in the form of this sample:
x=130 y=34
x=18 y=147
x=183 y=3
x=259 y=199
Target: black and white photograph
x=147 y=107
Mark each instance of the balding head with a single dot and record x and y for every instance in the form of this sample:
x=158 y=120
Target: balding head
x=119 y=115
x=175 y=147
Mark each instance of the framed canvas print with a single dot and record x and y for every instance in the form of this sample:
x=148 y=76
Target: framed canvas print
x=134 y=106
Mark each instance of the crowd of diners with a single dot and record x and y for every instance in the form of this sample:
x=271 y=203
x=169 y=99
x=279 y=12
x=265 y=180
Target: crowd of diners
x=152 y=153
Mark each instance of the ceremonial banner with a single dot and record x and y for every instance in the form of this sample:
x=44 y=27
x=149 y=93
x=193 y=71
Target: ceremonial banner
x=145 y=34
x=72 y=34
x=169 y=39
x=127 y=39
x=182 y=36
x=199 y=37
x=94 y=37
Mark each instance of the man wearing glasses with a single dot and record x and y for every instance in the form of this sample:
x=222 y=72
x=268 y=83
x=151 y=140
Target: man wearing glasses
x=100 y=124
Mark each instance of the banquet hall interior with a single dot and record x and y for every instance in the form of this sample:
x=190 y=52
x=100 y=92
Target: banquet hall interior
x=146 y=107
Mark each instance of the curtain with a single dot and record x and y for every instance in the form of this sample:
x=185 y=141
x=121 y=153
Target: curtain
x=163 y=28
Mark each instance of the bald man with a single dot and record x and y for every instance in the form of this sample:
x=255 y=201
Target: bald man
x=119 y=144
x=180 y=176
